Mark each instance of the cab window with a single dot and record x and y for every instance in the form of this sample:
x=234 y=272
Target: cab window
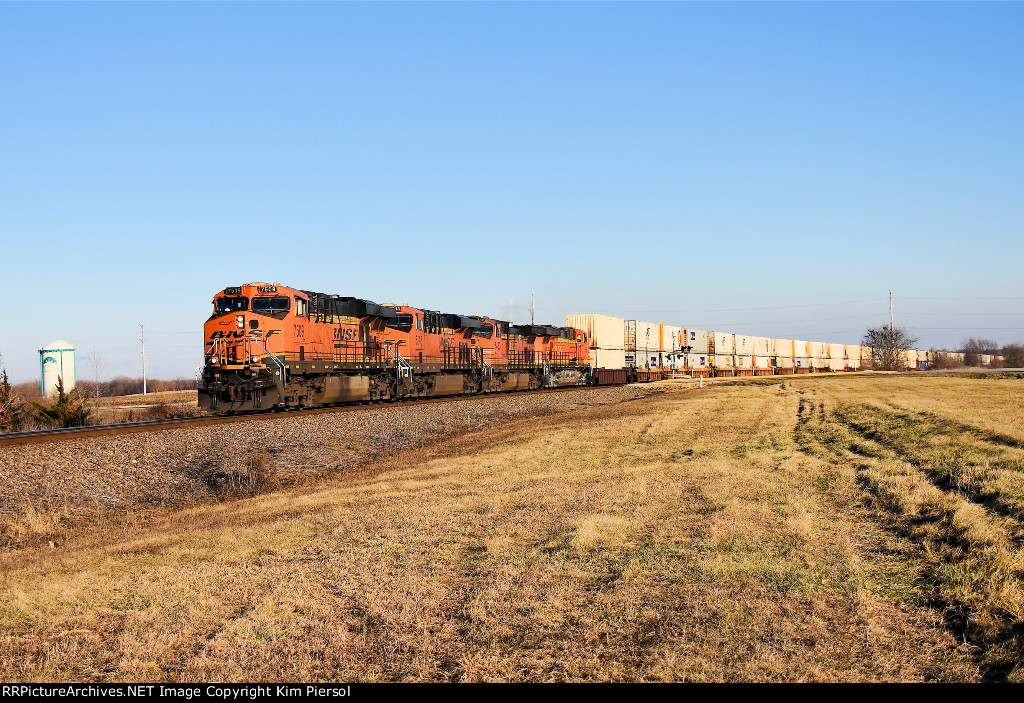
x=301 y=307
x=484 y=330
x=230 y=304
x=419 y=322
x=277 y=303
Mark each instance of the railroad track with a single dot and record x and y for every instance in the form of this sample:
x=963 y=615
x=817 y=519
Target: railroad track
x=10 y=439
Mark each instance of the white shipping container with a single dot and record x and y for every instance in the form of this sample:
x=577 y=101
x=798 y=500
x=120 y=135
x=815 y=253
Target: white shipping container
x=697 y=340
x=697 y=361
x=742 y=361
x=607 y=358
x=762 y=362
x=986 y=359
x=744 y=344
x=648 y=359
x=853 y=363
x=802 y=362
x=836 y=351
x=911 y=357
x=722 y=361
x=762 y=346
x=783 y=362
x=602 y=330
x=853 y=351
x=819 y=350
x=802 y=349
x=672 y=338
x=837 y=364
x=648 y=337
x=725 y=343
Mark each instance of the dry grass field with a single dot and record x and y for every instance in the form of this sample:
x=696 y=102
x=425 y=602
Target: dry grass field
x=804 y=529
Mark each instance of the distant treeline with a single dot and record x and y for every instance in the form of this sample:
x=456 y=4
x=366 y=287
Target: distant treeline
x=120 y=385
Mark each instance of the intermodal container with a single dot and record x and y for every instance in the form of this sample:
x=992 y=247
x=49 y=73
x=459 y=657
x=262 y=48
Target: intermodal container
x=762 y=362
x=697 y=340
x=744 y=344
x=782 y=362
x=698 y=361
x=672 y=338
x=837 y=364
x=725 y=343
x=782 y=347
x=722 y=361
x=801 y=349
x=836 y=351
x=743 y=361
x=819 y=350
x=648 y=337
x=607 y=358
x=603 y=331
x=853 y=351
x=762 y=346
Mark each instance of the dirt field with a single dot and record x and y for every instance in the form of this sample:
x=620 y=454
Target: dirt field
x=837 y=529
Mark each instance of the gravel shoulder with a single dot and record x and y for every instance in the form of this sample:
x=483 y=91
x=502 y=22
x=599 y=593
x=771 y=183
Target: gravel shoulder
x=48 y=489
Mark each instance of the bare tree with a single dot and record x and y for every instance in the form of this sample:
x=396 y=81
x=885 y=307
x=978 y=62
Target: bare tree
x=888 y=345
x=975 y=347
x=1013 y=356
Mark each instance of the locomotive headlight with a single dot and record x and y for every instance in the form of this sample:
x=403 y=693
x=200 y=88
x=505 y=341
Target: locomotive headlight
x=240 y=321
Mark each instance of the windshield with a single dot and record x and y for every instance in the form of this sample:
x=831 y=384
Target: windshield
x=485 y=330
x=222 y=305
x=278 y=303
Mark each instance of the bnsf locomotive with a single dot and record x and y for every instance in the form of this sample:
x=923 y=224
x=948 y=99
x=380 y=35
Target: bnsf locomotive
x=272 y=346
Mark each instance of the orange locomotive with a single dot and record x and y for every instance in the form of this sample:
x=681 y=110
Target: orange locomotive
x=269 y=346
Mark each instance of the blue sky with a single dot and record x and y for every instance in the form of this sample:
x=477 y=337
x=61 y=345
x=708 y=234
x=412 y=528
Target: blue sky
x=761 y=168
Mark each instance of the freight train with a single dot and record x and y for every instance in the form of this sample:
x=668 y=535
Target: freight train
x=271 y=346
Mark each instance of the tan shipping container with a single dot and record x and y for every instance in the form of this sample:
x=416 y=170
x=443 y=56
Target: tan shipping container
x=607 y=358
x=603 y=331
x=762 y=362
x=762 y=346
x=801 y=349
x=836 y=351
x=782 y=347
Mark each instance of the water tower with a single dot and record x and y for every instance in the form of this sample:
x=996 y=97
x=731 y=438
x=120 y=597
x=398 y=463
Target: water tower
x=56 y=360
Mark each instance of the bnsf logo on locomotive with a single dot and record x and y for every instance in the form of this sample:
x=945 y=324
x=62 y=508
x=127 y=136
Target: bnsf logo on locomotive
x=234 y=334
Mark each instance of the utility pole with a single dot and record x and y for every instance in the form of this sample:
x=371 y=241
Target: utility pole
x=142 y=339
x=533 y=309
x=892 y=318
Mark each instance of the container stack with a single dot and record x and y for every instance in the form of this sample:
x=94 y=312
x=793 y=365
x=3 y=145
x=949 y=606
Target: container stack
x=606 y=335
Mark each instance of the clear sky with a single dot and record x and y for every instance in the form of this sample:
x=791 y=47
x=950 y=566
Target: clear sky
x=770 y=169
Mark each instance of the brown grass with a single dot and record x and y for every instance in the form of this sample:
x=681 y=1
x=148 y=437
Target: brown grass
x=705 y=535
